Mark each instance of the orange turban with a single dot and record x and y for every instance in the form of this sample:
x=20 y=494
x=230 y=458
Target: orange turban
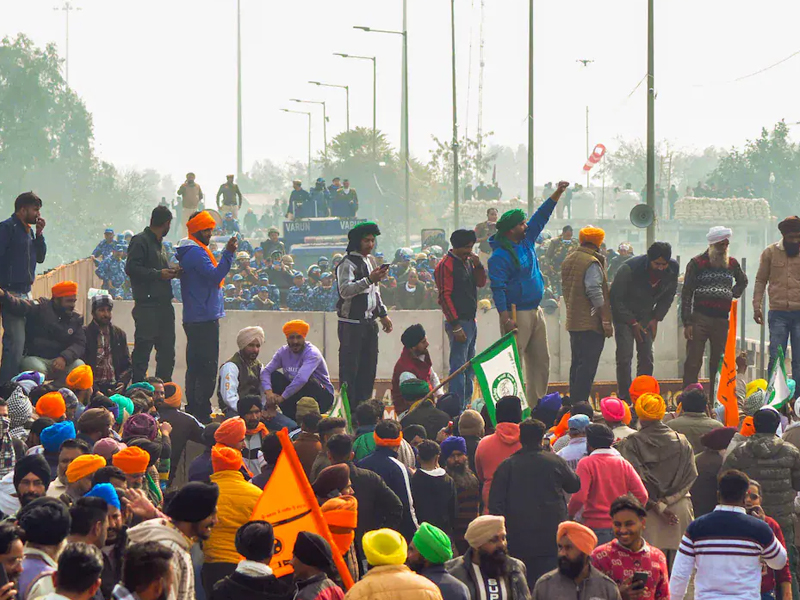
x=83 y=466
x=296 y=326
x=748 y=427
x=341 y=515
x=131 y=460
x=560 y=428
x=593 y=235
x=225 y=459
x=651 y=407
x=231 y=432
x=81 y=378
x=172 y=395
x=64 y=289
x=644 y=384
x=201 y=221
x=583 y=538
x=51 y=405
x=388 y=442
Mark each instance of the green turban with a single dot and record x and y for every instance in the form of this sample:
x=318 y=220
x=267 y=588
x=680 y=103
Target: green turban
x=510 y=219
x=433 y=544
x=142 y=385
x=125 y=405
x=414 y=389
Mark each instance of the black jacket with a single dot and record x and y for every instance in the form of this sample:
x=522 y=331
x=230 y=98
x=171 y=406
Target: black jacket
x=378 y=505
x=146 y=258
x=49 y=331
x=184 y=428
x=430 y=417
x=634 y=299
x=243 y=587
x=528 y=489
x=120 y=355
x=435 y=499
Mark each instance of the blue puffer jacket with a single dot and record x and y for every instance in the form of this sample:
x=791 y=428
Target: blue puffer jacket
x=200 y=290
x=20 y=250
x=521 y=285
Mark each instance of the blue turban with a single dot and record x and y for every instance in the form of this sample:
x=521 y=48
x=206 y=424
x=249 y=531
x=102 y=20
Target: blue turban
x=551 y=402
x=451 y=444
x=105 y=491
x=51 y=437
x=34 y=376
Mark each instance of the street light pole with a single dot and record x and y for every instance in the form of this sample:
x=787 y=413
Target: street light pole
x=324 y=122
x=307 y=113
x=238 y=89
x=651 y=136
x=586 y=62
x=530 y=108
x=374 y=95
x=455 y=115
x=67 y=8
x=404 y=151
x=346 y=88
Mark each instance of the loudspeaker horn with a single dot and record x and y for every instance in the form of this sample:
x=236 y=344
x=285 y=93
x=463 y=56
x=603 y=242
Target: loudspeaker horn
x=642 y=216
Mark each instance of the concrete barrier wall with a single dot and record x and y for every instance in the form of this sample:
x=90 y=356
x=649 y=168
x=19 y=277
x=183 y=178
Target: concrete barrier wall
x=323 y=334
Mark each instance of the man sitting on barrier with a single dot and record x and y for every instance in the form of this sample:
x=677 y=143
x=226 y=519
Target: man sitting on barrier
x=56 y=341
x=297 y=369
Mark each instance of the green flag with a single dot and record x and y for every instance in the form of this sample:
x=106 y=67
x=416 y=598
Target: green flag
x=499 y=374
x=341 y=407
x=778 y=391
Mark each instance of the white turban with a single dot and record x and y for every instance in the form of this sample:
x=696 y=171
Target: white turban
x=718 y=234
x=248 y=335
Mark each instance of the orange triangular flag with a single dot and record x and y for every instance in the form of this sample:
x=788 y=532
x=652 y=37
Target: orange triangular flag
x=726 y=383
x=289 y=504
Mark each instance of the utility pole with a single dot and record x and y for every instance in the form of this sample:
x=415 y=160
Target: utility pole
x=455 y=116
x=586 y=62
x=530 y=108
x=346 y=88
x=651 y=136
x=67 y=7
x=374 y=95
x=238 y=89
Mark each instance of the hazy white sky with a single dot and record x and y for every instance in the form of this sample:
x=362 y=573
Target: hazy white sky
x=160 y=77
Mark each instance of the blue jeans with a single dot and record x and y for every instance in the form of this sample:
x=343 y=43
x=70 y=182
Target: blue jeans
x=784 y=326
x=461 y=352
x=13 y=342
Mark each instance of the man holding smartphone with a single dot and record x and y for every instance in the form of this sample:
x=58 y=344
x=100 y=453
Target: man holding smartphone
x=458 y=277
x=628 y=553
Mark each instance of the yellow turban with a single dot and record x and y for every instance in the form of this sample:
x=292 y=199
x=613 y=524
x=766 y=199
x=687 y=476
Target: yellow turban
x=384 y=547
x=651 y=407
x=296 y=326
x=81 y=378
x=83 y=466
x=593 y=235
x=756 y=384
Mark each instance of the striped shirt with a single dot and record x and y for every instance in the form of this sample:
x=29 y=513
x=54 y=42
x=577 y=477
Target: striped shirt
x=726 y=547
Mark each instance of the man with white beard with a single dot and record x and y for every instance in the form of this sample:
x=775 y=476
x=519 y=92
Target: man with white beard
x=713 y=279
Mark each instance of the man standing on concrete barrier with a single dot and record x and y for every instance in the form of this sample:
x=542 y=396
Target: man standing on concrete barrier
x=153 y=314
x=585 y=287
x=20 y=250
x=201 y=288
x=516 y=280
x=780 y=268
x=358 y=307
x=458 y=277
x=641 y=296
x=713 y=279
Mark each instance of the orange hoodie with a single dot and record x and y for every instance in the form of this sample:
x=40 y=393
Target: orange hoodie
x=492 y=450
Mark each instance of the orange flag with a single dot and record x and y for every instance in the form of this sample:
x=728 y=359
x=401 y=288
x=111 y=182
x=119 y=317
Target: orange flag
x=726 y=383
x=289 y=504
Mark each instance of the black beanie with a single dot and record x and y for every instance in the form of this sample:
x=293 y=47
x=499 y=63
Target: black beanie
x=313 y=550
x=45 y=521
x=461 y=238
x=193 y=502
x=208 y=434
x=508 y=410
x=766 y=420
x=32 y=463
x=599 y=435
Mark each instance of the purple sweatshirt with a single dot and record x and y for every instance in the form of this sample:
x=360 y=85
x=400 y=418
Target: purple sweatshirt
x=298 y=368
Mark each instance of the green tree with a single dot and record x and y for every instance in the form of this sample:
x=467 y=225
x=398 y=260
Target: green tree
x=747 y=172
x=47 y=145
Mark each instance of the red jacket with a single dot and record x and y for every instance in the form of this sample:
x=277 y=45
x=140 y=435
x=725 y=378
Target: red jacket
x=408 y=362
x=458 y=283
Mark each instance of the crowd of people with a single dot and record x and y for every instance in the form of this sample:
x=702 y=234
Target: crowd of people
x=435 y=496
